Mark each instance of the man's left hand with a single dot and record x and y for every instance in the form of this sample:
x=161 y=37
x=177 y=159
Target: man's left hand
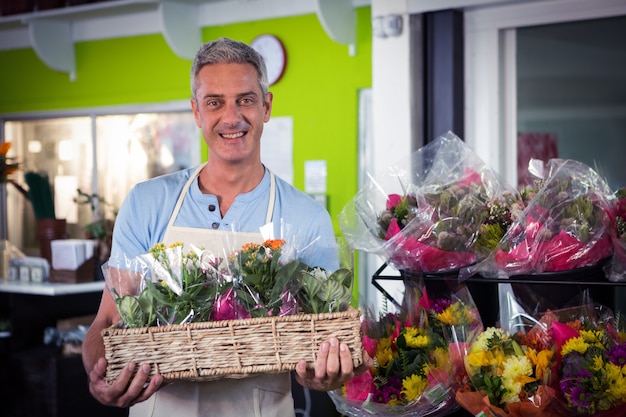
x=332 y=368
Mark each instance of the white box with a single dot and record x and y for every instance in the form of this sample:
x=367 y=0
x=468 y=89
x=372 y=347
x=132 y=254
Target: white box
x=69 y=254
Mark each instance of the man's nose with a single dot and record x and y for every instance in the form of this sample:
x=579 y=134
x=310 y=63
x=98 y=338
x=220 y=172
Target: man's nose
x=232 y=113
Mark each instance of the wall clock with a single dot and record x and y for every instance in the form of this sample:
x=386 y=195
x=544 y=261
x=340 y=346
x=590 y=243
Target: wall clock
x=273 y=52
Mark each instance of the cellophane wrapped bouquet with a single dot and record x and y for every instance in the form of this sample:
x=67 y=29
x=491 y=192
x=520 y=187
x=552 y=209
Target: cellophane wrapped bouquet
x=185 y=283
x=591 y=356
x=616 y=269
x=415 y=370
x=513 y=367
x=441 y=210
x=565 y=225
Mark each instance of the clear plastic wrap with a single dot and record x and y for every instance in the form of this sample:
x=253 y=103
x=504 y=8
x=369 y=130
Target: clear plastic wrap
x=415 y=370
x=508 y=379
x=182 y=284
x=565 y=225
x=616 y=269
x=591 y=354
x=169 y=285
x=436 y=212
x=578 y=356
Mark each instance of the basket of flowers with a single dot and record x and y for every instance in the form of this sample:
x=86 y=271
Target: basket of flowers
x=194 y=316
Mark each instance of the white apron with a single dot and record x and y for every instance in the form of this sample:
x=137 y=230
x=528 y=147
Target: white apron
x=258 y=396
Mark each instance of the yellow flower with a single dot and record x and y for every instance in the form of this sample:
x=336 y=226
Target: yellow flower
x=384 y=354
x=413 y=386
x=617 y=381
x=483 y=339
x=517 y=369
x=592 y=337
x=597 y=363
x=414 y=339
x=447 y=317
x=575 y=344
x=541 y=360
x=440 y=357
x=479 y=359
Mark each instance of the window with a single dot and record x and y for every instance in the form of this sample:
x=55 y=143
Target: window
x=104 y=155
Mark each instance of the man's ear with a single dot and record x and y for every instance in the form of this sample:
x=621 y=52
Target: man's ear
x=267 y=103
x=196 y=113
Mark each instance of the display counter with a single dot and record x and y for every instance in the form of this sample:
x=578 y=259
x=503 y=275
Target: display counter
x=38 y=379
x=50 y=289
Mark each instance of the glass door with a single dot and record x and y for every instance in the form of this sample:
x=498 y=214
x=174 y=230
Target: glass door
x=571 y=94
x=548 y=74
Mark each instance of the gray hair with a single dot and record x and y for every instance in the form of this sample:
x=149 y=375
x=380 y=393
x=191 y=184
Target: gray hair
x=228 y=51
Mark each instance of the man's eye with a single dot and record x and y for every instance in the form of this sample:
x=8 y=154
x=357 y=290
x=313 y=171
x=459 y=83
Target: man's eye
x=212 y=103
x=247 y=101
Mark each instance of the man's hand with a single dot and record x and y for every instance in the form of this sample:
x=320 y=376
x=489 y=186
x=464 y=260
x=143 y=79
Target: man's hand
x=126 y=390
x=332 y=368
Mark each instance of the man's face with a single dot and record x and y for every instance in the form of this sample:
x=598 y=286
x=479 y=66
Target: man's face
x=230 y=109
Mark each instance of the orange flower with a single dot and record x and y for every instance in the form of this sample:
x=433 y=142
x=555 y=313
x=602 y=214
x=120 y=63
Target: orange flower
x=6 y=168
x=4 y=148
x=274 y=244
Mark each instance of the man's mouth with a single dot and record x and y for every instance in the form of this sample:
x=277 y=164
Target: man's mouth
x=232 y=135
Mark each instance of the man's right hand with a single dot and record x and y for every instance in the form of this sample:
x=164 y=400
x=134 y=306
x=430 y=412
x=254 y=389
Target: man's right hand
x=126 y=390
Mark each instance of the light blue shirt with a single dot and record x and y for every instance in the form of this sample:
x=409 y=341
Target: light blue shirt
x=144 y=215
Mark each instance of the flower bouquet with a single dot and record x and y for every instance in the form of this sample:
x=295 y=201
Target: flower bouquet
x=565 y=226
x=592 y=365
x=196 y=316
x=616 y=269
x=412 y=373
x=508 y=379
x=438 y=221
x=179 y=287
x=454 y=315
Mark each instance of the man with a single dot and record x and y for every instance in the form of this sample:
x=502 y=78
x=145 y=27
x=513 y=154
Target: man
x=232 y=191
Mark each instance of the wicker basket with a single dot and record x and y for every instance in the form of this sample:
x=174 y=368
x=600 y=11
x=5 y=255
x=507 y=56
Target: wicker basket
x=230 y=348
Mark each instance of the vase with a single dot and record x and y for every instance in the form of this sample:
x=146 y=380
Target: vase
x=47 y=231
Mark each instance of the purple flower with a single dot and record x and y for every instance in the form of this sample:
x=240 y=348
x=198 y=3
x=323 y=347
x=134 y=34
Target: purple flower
x=441 y=304
x=567 y=384
x=574 y=365
x=617 y=354
x=580 y=398
x=389 y=391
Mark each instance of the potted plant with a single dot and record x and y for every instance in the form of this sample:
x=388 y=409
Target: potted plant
x=101 y=227
x=42 y=200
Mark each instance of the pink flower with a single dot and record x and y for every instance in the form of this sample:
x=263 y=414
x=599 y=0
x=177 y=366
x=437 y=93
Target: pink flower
x=393 y=200
x=561 y=333
x=392 y=230
x=359 y=387
x=471 y=177
x=370 y=345
x=228 y=308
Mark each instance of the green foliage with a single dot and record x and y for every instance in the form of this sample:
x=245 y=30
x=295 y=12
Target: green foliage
x=324 y=292
x=40 y=195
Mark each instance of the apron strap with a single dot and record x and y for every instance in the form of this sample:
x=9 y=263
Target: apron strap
x=270 y=204
x=179 y=202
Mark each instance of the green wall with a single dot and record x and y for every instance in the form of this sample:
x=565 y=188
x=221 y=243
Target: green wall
x=319 y=88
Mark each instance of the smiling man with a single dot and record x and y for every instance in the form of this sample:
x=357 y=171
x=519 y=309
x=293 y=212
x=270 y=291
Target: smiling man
x=233 y=194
